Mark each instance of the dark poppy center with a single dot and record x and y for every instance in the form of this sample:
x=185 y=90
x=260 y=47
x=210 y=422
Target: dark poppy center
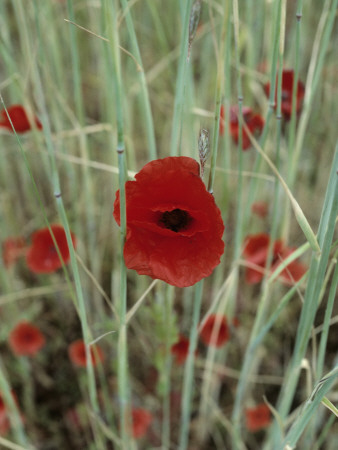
x=28 y=336
x=285 y=95
x=52 y=250
x=175 y=220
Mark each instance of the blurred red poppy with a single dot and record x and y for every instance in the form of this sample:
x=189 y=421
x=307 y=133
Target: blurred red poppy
x=261 y=209
x=19 y=119
x=293 y=272
x=77 y=353
x=42 y=256
x=12 y=249
x=26 y=339
x=141 y=420
x=215 y=331
x=254 y=122
x=256 y=251
x=287 y=86
x=258 y=417
x=180 y=350
x=174 y=228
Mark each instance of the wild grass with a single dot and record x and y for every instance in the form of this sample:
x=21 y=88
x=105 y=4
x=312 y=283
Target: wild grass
x=115 y=86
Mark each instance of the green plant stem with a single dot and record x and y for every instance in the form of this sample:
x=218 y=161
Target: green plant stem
x=322 y=40
x=252 y=190
x=83 y=141
x=188 y=382
x=315 y=279
x=326 y=324
x=284 y=301
x=166 y=376
x=264 y=303
x=14 y=414
x=239 y=203
x=122 y=362
x=180 y=83
x=144 y=90
x=293 y=121
x=225 y=151
x=218 y=95
x=310 y=407
x=324 y=432
x=62 y=213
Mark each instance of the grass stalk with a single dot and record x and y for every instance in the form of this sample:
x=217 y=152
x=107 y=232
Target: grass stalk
x=14 y=414
x=180 y=83
x=83 y=141
x=321 y=42
x=315 y=279
x=326 y=324
x=122 y=363
x=260 y=318
x=239 y=210
x=275 y=39
x=310 y=407
x=293 y=120
x=166 y=376
x=218 y=94
x=144 y=90
x=55 y=182
x=188 y=381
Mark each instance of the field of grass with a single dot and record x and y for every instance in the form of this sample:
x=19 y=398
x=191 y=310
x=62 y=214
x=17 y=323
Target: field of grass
x=125 y=324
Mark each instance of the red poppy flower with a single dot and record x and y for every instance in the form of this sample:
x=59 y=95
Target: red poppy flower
x=180 y=350
x=12 y=249
x=26 y=339
x=258 y=417
x=19 y=119
x=256 y=252
x=174 y=228
x=141 y=420
x=260 y=209
x=77 y=353
x=215 y=331
x=254 y=122
x=293 y=272
x=42 y=256
x=287 y=86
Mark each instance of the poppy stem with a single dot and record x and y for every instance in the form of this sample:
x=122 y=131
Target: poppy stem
x=188 y=381
x=168 y=317
x=110 y=15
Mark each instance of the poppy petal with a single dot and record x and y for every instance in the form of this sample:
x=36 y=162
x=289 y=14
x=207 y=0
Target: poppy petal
x=174 y=227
